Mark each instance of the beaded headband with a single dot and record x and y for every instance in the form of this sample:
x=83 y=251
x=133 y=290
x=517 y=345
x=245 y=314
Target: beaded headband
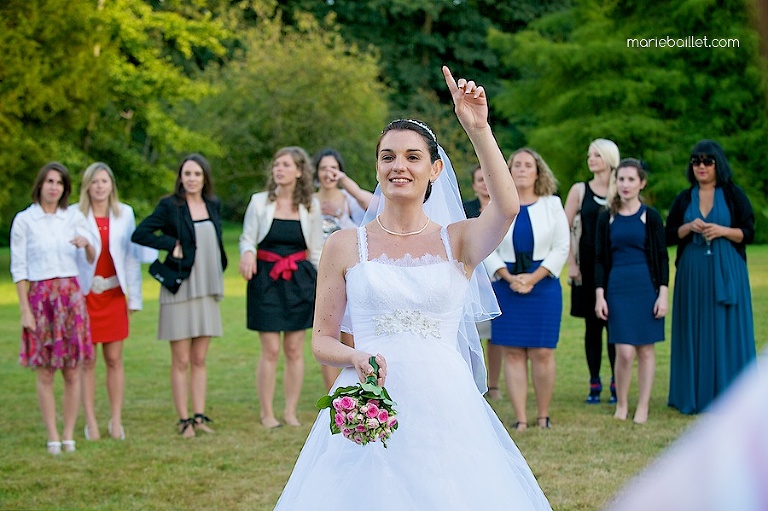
x=420 y=124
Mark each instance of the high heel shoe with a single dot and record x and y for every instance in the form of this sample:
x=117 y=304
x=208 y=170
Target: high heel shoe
x=613 y=398
x=595 y=388
x=109 y=428
x=186 y=428
x=519 y=426
x=54 y=448
x=199 y=422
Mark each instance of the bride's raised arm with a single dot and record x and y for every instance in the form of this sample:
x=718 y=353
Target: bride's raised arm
x=479 y=236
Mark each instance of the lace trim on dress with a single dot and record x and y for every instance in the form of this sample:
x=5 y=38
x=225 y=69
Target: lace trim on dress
x=402 y=320
x=407 y=260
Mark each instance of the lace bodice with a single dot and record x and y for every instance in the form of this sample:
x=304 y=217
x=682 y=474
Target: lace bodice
x=414 y=296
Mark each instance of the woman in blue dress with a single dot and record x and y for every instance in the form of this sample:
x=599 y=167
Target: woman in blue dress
x=713 y=336
x=631 y=279
x=526 y=267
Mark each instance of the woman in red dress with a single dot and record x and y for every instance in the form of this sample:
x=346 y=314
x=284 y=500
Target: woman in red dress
x=113 y=287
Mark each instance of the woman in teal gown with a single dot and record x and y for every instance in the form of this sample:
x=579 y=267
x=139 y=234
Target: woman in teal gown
x=712 y=329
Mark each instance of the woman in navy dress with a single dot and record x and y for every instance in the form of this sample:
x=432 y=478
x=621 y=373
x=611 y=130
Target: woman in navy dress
x=526 y=266
x=631 y=278
x=713 y=335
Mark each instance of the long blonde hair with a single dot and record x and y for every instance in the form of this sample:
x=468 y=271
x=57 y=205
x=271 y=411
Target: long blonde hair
x=85 y=198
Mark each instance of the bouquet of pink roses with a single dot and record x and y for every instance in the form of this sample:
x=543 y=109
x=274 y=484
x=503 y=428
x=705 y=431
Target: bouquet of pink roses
x=363 y=412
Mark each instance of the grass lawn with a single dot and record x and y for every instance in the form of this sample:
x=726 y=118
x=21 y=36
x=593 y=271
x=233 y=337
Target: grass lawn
x=580 y=463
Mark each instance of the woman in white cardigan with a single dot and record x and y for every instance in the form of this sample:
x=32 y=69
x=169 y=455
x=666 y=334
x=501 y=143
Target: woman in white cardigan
x=526 y=267
x=112 y=284
x=285 y=223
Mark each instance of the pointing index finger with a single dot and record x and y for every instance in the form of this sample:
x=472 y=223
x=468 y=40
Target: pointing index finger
x=450 y=81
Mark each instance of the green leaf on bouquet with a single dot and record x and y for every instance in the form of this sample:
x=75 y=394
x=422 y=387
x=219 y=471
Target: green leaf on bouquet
x=373 y=389
x=324 y=402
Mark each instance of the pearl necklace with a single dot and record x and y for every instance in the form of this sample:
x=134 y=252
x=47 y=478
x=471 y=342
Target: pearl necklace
x=401 y=233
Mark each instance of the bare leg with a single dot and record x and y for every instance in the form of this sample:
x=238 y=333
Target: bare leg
x=543 y=377
x=495 y=354
x=180 y=353
x=625 y=358
x=516 y=378
x=199 y=375
x=294 y=374
x=46 y=402
x=329 y=375
x=266 y=373
x=71 y=404
x=89 y=396
x=113 y=358
x=646 y=368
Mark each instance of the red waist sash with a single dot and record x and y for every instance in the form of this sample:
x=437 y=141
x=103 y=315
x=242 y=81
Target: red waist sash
x=284 y=265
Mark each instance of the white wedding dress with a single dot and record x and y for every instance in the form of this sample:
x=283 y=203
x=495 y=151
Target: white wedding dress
x=450 y=451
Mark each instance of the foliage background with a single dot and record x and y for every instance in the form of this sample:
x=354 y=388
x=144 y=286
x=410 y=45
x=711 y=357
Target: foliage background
x=140 y=83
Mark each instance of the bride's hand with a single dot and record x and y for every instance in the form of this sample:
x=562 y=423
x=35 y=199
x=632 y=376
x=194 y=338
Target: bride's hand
x=469 y=100
x=365 y=369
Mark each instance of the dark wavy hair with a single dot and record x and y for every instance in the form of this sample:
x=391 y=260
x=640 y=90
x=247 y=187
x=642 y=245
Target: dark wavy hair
x=37 y=186
x=178 y=189
x=614 y=201
x=422 y=129
x=327 y=152
x=723 y=172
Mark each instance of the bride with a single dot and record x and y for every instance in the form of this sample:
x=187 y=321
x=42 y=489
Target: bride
x=404 y=283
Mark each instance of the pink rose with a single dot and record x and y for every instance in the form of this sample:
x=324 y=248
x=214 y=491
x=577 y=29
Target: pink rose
x=372 y=423
x=346 y=432
x=383 y=416
x=351 y=416
x=347 y=403
x=374 y=402
x=391 y=421
x=337 y=404
x=340 y=419
x=364 y=409
x=360 y=428
x=372 y=411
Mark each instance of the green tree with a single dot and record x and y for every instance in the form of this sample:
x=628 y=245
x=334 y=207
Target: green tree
x=578 y=79
x=300 y=85
x=83 y=81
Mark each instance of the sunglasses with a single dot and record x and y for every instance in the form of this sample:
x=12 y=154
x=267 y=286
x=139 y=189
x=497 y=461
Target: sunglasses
x=706 y=160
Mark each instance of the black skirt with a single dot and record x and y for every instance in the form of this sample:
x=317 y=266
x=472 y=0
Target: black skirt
x=280 y=305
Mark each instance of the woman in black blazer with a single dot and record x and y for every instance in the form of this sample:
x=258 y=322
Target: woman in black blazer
x=187 y=225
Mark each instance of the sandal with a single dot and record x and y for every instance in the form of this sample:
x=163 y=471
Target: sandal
x=54 y=448
x=68 y=445
x=519 y=426
x=199 y=423
x=186 y=428
x=547 y=423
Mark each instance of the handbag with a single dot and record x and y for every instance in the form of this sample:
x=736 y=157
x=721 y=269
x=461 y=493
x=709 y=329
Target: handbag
x=167 y=276
x=576 y=225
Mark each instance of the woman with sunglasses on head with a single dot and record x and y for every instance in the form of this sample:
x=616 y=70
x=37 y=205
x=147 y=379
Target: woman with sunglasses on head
x=712 y=328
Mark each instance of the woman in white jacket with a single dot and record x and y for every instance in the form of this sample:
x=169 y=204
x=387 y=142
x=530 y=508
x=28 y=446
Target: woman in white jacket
x=112 y=284
x=285 y=222
x=526 y=267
